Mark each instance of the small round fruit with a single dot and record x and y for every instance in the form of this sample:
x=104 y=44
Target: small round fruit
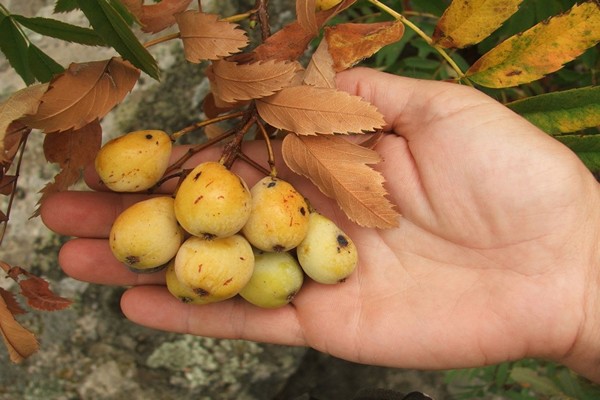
x=276 y=279
x=212 y=201
x=326 y=254
x=215 y=269
x=326 y=4
x=135 y=161
x=184 y=293
x=146 y=235
x=279 y=218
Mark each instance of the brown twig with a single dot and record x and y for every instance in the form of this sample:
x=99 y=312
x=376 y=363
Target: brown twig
x=198 y=125
x=271 y=156
x=262 y=14
x=234 y=148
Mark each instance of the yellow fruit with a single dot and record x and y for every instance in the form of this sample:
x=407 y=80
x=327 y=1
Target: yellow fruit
x=279 y=218
x=326 y=254
x=184 y=293
x=146 y=235
x=276 y=279
x=326 y=4
x=215 y=269
x=135 y=161
x=212 y=201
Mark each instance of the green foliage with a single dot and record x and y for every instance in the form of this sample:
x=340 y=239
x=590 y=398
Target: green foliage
x=60 y=30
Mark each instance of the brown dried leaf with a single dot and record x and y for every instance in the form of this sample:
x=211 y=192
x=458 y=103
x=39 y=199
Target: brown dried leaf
x=231 y=82
x=19 y=342
x=39 y=296
x=319 y=71
x=7 y=184
x=206 y=38
x=158 y=16
x=25 y=101
x=11 y=302
x=351 y=43
x=84 y=93
x=339 y=169
x=72 y=151
x=307 y=16
x=308 y=110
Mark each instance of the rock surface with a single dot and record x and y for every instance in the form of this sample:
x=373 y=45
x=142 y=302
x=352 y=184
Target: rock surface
x=90 y=351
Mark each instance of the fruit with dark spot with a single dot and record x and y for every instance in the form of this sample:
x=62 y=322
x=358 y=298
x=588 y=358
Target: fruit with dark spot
x=183 y=292
x=326 y=254
x=135 y=161
x=212 y=201
x=279 y=217
x=215 y=269
x=276 y=279
x=146 y=235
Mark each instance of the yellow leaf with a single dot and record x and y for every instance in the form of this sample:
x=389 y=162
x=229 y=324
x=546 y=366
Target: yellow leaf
x=467 y=22
x=540 y=50
x=340 y=170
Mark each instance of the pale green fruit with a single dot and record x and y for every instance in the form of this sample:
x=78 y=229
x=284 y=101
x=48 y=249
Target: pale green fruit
x=279 y=218
x=212 y=201
x=183 y=292
x=215 y=269
x=146 y=235
x=135 y=161
x=326 y=254
x=276 y=279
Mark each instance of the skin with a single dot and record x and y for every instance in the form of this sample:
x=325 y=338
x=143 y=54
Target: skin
x=495 y=257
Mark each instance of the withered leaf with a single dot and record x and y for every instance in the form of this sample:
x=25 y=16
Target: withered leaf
x=72 y=151
x=11 y=302
x=39 y=296
x=308 y=110
x=158 y=16
x=307 y=16
x=19 y=342
x=84 y=93
x=340 y=170
x=206 y=38
x=7 y=184
x=351 y=43
x=319 y=71
x=231 y=82
x=25 y=101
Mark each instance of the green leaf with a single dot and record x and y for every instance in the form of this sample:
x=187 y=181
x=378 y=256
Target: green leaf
x=562 y=112
x=531 y=379
x=61 y=30
x=111 y=26
x=63 y=6
x=42 y=65
x=587 y=148
x=14 y=46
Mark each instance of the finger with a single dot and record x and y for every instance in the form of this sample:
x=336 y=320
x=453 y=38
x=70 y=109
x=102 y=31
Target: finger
x=91 y=260
x=85 y=214
x=155 y=307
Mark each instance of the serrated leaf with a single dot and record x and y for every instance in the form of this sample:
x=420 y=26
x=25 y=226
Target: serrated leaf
x=158 y=16
x=467 y=22
x=231 y=82
x=540 y=50
x=25 y=101
x=307 y=17
x=319 y=71
x=61 y=30
x=351 y=43
x=308 y=110
x=82 y=94
x=113 y=28
x=587 y=148
x=72 y=151
x=39 y=296
x=340 y=169
x=19 y=342
x=206 y=38
x=561 y=112
x=11 y=302
x=14 y=46
x=42 y=65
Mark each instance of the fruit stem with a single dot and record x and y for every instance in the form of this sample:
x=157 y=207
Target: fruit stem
x=234 y=148
x=176 y=135
x=271 y=156
x=253 y=163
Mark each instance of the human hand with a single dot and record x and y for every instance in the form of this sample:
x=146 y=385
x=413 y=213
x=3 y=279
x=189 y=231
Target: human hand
x=495 y=257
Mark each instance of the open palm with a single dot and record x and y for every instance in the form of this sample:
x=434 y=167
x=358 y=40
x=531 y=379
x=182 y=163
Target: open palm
x=492 y=260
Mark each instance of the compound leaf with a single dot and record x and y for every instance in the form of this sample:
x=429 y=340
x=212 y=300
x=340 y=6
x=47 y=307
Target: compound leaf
x=14 y=46
x=61 y=30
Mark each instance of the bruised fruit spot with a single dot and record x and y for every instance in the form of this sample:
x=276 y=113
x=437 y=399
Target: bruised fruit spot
x=198 y=199
x=132 y=260
x=271 y=184
x=201 y=292
x=342 y=280
x=199 y=268
x=227 y=282
x=302 y=211
x=197 y=175
x=208 y=236
x=185 y=299
x=342 y=241
x=278 y=248
x=149 y=136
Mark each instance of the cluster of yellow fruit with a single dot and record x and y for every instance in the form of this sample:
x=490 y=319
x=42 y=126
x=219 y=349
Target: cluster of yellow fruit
x=216 y=237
